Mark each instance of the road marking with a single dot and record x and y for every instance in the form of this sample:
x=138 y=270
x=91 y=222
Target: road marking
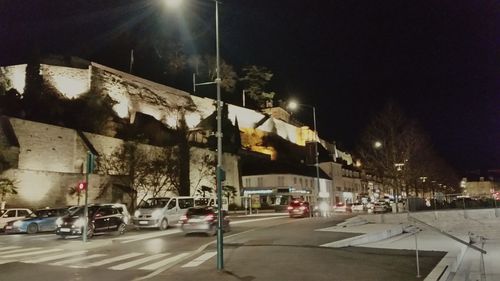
x=77 y=259
x=199 y=260
x=56 y=257
x=159 y=264
x=9 y=248
x=32 y=253
x=138 y=237
x=111 y=260
x=137 y=262
x=254 y=220
x=19 y=250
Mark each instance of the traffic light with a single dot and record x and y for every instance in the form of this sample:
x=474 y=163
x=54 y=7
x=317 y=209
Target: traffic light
x=82 y=186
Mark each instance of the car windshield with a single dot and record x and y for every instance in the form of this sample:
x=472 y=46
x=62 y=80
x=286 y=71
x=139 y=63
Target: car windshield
x=153 y=203
x=199 y=211
x=79 y=212
x=45 y=213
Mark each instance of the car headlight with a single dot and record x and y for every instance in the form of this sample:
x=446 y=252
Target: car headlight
x=137 y=213
x=59 y=222
x=156 y=214
x=18 y=223
x=79 y=222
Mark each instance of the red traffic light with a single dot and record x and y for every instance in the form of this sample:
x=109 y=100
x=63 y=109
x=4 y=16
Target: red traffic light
x=82 y=186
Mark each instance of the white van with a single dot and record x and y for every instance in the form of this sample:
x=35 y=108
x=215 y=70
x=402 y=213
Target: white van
x=161 y=212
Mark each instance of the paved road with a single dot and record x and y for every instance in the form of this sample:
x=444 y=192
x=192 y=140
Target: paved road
x=257 y=248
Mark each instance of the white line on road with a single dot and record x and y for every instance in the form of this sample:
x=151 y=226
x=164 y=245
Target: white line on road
x=112 y=260
x=9 y=248
x=254 y=220
x=137 y=262
x=19 y=250
x=56 y=257
x=32 y=253
x=199 y=260
x=78 y=259
x=159 y=264
x=138 y=237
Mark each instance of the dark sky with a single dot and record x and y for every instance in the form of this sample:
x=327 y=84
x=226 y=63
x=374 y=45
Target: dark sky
x=438 y=59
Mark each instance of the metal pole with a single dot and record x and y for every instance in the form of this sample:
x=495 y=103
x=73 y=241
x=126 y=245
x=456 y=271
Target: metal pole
x=220 y=254
x=416 y=253
x=86 y=209
x=316 y=156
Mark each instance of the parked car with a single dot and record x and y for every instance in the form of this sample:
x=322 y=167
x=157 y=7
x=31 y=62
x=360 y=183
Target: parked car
x=381 y=207
x=40 y=220
x=161 y=212
x=101 y=218
x=358 y=207
x=299 y=209
x=13 y=214
x=342 y=207
x=122 y=208
x=203 y=219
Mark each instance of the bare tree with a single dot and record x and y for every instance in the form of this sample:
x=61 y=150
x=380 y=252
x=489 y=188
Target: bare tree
x=205 y=170
x=145 y=172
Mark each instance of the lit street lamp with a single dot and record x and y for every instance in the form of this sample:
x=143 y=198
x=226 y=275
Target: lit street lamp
x=293 y=106
x=219 y=172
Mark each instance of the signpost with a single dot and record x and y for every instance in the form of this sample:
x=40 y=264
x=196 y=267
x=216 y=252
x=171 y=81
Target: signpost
x=90 y=168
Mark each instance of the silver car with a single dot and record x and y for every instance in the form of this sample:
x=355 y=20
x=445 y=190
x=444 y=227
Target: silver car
x=203 y=220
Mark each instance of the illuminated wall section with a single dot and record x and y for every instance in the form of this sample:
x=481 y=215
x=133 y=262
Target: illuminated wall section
x=15 y=76
x=134 y=94
x=69 y=81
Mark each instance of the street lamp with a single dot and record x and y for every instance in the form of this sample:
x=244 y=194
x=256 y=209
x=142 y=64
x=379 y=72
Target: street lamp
x=293 y=106
x=219 y=172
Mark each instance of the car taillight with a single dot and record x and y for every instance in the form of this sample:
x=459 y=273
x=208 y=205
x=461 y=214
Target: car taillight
x=302 y=208
x=289 y=208
x=210 y=217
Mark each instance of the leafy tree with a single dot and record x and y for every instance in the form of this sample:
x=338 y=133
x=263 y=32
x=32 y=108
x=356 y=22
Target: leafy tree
x=229 y=192
x=7 y=187
x=205 y=69
x=255 y=81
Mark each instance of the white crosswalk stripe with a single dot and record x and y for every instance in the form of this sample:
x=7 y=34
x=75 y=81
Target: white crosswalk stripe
x=164 y=262
x=108 y=261
x=78 y=259
x=84 y=259
x=199 y=260
x=31 y=253
x=137 y=262
x=19 y=251
x=53 y=258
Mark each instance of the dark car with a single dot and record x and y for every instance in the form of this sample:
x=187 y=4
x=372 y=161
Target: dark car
x=39 y=221
x=203 y=219
x=298 y=208
x=101 y=218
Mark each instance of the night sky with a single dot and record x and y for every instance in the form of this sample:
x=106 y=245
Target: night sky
x=439 y=60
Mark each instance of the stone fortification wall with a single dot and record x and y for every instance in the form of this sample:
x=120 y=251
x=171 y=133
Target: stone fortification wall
x=45 y=147
x=40 y=189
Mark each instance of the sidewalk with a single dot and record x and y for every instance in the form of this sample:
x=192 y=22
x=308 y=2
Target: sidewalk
x=461 y=262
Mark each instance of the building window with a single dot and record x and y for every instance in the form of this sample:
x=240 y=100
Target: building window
x=281 y=181
x=248 y=182
x=260 y=181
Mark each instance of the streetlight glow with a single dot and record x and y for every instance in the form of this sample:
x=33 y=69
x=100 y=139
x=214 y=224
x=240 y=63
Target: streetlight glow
x=174 y=4
x=377 y=144
x=293 y=105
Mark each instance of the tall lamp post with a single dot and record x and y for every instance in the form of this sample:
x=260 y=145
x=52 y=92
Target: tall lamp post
x=219 y=172
x=293 y=106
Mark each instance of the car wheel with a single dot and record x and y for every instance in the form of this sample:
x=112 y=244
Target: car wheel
x=32 y=228
x=163 y=224
x=121 y=229
x=90 y=231
x=212 y=231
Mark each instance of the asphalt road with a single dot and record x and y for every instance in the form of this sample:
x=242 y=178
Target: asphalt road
x=257 y=248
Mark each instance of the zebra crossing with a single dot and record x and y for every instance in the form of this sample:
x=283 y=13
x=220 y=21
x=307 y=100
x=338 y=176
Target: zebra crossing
x=85 y=259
